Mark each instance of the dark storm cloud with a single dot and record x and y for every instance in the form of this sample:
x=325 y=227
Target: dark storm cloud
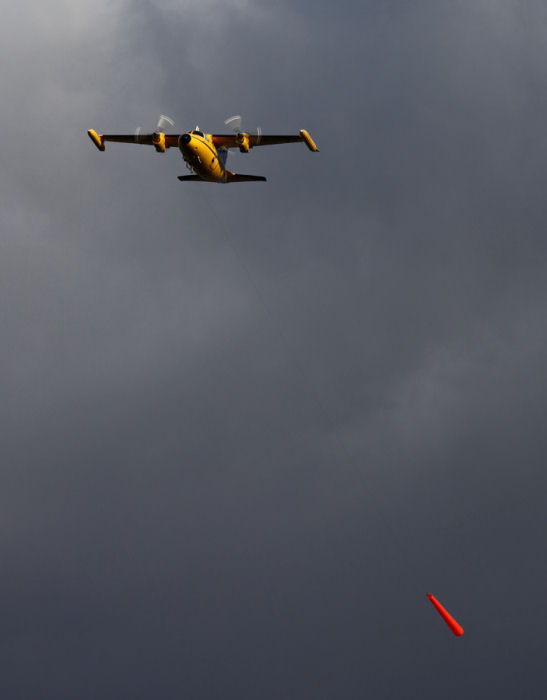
x=246 y=429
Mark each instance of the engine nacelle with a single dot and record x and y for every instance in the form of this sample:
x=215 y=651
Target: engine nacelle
x=243 y=142
x=158 y=141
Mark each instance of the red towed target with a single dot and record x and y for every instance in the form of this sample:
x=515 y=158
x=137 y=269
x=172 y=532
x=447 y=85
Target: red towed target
x=456 y=628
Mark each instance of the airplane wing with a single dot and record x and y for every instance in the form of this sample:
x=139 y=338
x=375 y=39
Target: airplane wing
x=230 y=140
x=171 y=140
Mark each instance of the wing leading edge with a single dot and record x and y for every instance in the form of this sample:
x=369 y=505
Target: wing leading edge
x=231 y=140
x=220 y=140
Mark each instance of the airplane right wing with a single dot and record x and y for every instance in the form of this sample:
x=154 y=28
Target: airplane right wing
x=160 y=141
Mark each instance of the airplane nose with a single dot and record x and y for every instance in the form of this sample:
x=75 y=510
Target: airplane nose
x=184 y=139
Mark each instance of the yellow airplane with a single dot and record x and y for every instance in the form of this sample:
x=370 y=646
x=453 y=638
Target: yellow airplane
x=205 y=154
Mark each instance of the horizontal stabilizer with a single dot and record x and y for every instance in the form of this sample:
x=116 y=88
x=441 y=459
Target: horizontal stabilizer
x=230 y=177
x=234 y=177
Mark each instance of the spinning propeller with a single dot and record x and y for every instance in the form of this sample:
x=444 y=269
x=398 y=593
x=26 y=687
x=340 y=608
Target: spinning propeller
x=163 y=122
x=243 y=136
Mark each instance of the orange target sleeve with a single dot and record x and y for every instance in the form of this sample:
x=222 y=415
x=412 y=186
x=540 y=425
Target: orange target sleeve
x=456 y=628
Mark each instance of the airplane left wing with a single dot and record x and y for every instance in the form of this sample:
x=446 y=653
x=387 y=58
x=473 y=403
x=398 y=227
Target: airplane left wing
x=251 y=140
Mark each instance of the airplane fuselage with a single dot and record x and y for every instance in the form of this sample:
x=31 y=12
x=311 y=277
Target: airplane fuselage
x=199 y=151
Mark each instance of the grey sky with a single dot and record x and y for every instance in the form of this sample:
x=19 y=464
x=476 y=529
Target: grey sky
x=245 y=429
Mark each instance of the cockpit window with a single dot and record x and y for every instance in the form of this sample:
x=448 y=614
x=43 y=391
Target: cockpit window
x=197 y=133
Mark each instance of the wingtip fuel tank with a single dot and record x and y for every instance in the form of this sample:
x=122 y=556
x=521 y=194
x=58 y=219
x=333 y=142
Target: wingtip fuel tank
x=97 y=139
x=454 y=626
